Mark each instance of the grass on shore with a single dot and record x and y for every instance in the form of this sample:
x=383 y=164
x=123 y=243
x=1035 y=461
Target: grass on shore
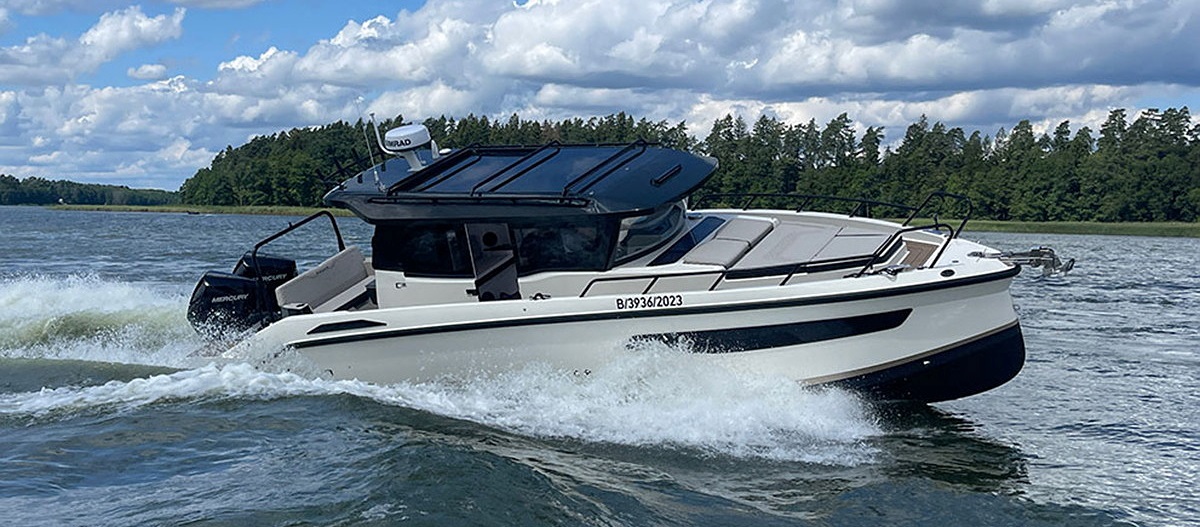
x=1175 y=229
x=206 y=209
x=1171 y=229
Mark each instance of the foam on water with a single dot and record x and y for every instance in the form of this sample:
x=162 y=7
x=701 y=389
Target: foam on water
x=661 y=395
x=89 y=318
x=650 y=400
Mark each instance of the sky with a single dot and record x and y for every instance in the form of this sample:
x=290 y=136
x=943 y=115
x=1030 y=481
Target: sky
x=144 y=94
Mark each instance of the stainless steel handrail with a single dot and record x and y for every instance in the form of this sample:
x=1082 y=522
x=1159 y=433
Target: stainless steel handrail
x=898 y=236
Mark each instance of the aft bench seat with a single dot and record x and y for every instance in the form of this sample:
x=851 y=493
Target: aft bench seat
x=329 y=286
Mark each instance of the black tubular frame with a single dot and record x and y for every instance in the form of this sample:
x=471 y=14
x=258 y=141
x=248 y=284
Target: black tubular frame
x=895 y=238
x=785 y=271
x=553 y=147
x=943 y=195
x=261 y=285
x=628 y=149
x=862 y=208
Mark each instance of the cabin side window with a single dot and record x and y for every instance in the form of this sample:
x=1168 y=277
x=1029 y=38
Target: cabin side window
x=563 y=244
x=436 y=250
x=641 y=234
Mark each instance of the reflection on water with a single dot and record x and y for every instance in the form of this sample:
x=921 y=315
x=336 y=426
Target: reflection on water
x=927 y=442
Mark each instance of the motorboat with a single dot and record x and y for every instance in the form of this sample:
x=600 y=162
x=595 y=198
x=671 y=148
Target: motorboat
x=489 y=258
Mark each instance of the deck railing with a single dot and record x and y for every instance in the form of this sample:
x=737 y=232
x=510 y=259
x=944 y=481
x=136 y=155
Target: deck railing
x=861 y=207
x=798 y=202
x=896 y=236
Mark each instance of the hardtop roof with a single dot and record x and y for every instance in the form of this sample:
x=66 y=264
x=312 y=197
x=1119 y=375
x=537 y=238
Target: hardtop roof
x=522 y=181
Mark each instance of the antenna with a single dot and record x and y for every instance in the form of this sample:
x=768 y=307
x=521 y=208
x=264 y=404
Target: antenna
x=370 y=151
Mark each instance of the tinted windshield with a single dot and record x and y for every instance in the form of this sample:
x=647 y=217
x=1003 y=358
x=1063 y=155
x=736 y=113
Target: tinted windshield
x=640 y=234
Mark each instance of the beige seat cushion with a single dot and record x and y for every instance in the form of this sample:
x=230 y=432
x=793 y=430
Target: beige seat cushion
x=718 y=252
x=747 y=230
x=731 y=242
x=329 y=285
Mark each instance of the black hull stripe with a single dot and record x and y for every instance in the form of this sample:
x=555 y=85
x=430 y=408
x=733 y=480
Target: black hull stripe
x=738 y=340
x=344 y=326
x=665 y=312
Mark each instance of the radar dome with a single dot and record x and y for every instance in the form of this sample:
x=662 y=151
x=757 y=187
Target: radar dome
x=407 y=137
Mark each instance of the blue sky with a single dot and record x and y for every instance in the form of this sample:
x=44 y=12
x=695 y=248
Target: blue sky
x=144 y=94
x=210 y=36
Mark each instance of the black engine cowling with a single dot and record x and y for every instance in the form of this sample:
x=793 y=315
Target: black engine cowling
x=242 y=299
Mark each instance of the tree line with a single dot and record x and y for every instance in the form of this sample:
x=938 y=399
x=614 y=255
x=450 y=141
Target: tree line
x=1147 y=169
x=288 y=168
x=297 y=166
x=1144 y=169
x=40 y=191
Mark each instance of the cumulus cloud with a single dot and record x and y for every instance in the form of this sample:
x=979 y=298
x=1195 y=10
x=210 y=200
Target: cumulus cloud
x=43 y=59
x=9 y=132
x=34 y=62
x=104 y=134
x=978 y=64
x=126 y=30
x=429 y=100
x=617 y=45
x=148 y=72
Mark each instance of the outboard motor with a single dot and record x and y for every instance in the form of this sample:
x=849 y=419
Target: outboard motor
x=240 y=300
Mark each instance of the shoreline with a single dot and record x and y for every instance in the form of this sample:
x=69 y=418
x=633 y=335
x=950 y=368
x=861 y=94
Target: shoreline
x=256 y=210
x=1164 y=229
x=1161 y=229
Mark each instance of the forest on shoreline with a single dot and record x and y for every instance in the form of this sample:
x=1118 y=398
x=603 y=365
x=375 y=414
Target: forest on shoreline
x=1147 y=169
x=1140 y=170
x=40 y=191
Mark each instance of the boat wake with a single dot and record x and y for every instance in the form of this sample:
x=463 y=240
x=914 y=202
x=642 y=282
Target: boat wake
x=654 y=396
x=714 y=414
x=660 y=395
x=92 y=319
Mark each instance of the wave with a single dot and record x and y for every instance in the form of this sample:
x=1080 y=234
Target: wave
x=658 y=399
x=663 y=395
x=85 y=317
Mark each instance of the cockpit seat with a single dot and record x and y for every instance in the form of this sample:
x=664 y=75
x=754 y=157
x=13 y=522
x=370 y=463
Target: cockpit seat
x=334 y=284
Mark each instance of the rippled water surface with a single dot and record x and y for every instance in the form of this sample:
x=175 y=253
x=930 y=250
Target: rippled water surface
x=107 y=419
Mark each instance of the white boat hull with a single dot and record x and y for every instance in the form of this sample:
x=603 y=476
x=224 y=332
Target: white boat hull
x=919 y=335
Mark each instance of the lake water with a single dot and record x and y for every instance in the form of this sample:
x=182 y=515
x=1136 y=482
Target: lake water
x=105 y=419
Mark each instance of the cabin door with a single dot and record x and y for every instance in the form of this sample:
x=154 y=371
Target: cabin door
x=494 y=261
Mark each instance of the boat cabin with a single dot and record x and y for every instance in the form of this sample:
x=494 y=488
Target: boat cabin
x=495 y=214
